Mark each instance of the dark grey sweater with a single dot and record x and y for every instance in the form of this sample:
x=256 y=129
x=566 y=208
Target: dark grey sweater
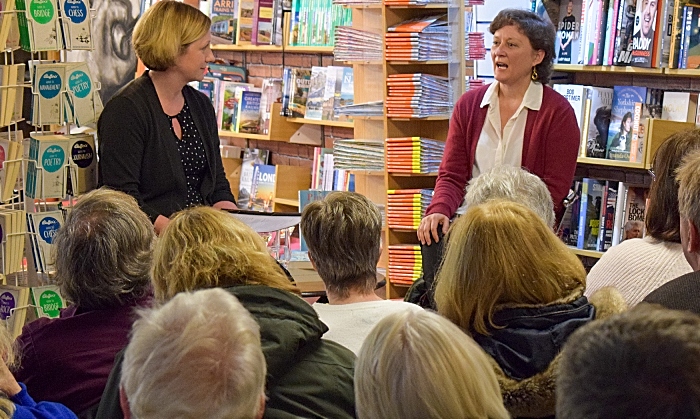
x=138 y=155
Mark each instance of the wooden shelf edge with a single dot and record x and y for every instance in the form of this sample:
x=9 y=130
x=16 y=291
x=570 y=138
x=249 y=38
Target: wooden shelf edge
x=245 y=135
x=245 y=48
x=587 y=253
x=364 y=6
x=290 y=202
x=427 y=62
x=419 y=6
x=398 y=174
x=610 y=163
x=310 y=49
x=342 y=124
x=607 y=69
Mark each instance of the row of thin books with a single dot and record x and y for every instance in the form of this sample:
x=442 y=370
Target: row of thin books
x=418 y=95
x=15 y=302
x=420 y=39
x=358 y=154
x=413 y=154
x=405 y=263
x=406 y=207
x=356 y=45
x=375 y=108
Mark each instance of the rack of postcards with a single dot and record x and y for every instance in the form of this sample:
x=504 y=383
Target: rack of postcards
x=58 y=163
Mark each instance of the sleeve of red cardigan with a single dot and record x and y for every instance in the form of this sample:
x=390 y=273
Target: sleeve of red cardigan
x=455 y=167
x=562 y=147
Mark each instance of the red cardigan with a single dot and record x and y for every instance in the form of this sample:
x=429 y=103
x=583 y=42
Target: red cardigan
x=550 y=153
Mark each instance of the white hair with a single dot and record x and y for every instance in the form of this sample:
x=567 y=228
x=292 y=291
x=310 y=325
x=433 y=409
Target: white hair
x=514 y=184
x=197 y=356
x=402 y=352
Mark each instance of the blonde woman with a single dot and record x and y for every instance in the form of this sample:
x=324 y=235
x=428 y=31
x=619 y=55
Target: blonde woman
x=158 y=136
x=306 y=376
x=15 y=402
x=406 y=348
x=509 y=282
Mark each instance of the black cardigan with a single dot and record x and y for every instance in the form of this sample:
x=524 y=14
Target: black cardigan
x=138 y=154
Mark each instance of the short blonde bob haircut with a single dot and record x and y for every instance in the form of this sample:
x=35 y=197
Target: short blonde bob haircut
x=502 y=253
x=165 y=30
x=203 y=247
x=402 y=352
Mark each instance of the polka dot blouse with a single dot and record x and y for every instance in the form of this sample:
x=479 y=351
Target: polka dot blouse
x=194 y=159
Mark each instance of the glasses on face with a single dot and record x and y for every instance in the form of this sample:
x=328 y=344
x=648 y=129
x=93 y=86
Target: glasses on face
x=653 y=175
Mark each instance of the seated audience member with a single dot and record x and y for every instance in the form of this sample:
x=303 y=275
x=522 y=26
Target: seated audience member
x=638 y=266
x=509 y=282
x=344 y=233
x=306 y=376
x=403 y=351
x=15 y=401
x=501 y=182
x=103 y=257
x=642 y=364
x=514 y=184
x=683 y=293
x=197 y=356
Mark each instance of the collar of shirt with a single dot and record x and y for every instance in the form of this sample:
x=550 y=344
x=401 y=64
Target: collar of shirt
x=531 y=100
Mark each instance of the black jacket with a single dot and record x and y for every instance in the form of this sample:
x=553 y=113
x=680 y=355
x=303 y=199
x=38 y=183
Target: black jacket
x=138 y=154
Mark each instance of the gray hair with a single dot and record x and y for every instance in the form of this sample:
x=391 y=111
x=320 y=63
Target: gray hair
x=688 y=177
x=513 y=184
x=103 y=251
x=197 y=356
x=640 y=364
x=344 y=232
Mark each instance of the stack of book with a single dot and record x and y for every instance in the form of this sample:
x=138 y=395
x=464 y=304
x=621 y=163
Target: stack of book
x=473 y=83
x=474 y=48
x=413 y=154
x=12 y=232
x=406 y=207
x=358 y=154
x=405 y=263
x=42 y=230
x=361 y=109
x=356 y=45
x=418 y=95
x=421 y=39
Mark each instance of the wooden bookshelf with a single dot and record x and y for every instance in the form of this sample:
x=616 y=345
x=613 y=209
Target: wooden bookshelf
x=610 y=163
x=587 y=253
x=274 y=48
x=568 y=68
x=310 y=49
x=289 y=180
x=280 y=129
x=342 y=124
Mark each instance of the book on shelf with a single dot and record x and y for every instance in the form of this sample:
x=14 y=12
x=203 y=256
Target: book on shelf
x=317 y=87
x=621 y=122
x=83 y=103
x=313 y=22
x=592 y=191
x=47 y=301
x=226 y=72
x=568 y=32
x=38 y=25
x=577 y=95
x=262 y=193
x=12 y=236
x=634 y=213
x=413 y=154
x=271 y=94
x=662 y=44
x=48 y=156
x=358 y=154
x=43 y=226
x=624 y=32
x=594 y=33
x=263 y=15
x=227 y=107
x=248 y=110
x=251 y=157
x=224 y=18
x=11 y=93
x=10 y=164
x=76 y=25
x=299 y=91
x=353 y=44
x=82 y=176
x=14 y=302
x=644 y=33
x=418 y=95
x=9 y=30
x=244 y=27
x=677 y=29
x=49 y=81
x=607 y=216
x=680 y=106
x=317 y=168
x=598 y=121
x=344 y=93
x=334 y=78
x=406 y=207
x=690 y=38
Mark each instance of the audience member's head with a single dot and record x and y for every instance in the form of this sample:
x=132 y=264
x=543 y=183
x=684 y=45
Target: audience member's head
x=103 y=251
x=204 y=248
x=197 y=356
x=662 y=216
x=343 y=232
x=513 y=184
x=640 y=364
x=633 y=230
x=400 y=354
x=501 y=252
x=688 y=176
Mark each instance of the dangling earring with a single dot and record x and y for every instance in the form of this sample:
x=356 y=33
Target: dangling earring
x=534 y=74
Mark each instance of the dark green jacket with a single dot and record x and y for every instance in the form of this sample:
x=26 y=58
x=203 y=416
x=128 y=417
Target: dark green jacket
x=307 y=377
